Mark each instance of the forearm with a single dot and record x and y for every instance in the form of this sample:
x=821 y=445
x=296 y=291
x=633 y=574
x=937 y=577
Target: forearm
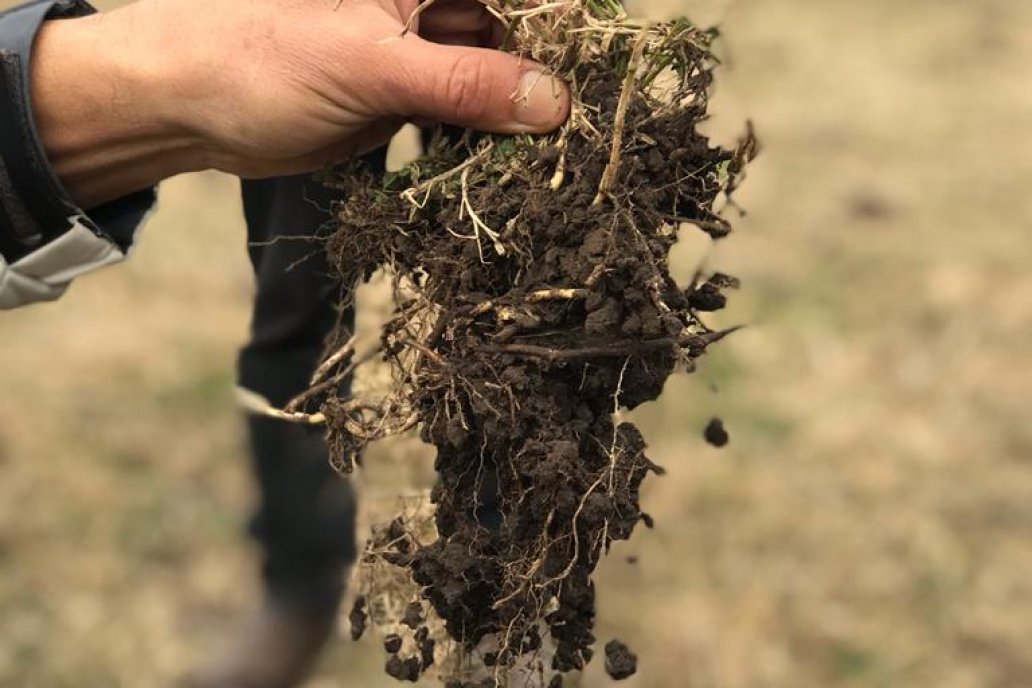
x=47 y=239
x=262 y=88
x=106 y=111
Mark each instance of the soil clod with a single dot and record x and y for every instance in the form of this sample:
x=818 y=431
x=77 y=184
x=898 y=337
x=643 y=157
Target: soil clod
x=392 y=644
x=357 y=618
x=621 y=663
x=716 y=434
x=413 y=616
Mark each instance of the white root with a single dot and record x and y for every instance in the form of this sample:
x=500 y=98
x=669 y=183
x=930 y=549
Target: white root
x=255 y=403
x=478 y=224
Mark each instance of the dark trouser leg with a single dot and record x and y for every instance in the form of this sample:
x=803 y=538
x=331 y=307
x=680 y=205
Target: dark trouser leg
x=305 y=522
x=306 y=517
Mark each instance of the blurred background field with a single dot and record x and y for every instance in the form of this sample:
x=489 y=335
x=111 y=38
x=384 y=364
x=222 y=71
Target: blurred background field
x=870 y=523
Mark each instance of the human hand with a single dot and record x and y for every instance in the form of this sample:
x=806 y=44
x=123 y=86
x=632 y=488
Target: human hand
x=267 y=87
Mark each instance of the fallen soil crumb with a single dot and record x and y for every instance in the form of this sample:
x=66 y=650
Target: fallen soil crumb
x=621 y=663
x=716 y=434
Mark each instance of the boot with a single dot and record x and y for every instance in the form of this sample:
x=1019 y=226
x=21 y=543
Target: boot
x=277 y=647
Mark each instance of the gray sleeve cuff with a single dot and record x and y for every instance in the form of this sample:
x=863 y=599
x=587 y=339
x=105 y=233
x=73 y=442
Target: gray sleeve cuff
x=45 y=239
x=46 y=273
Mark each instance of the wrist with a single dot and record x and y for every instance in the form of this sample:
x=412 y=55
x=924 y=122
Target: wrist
x=106 y=110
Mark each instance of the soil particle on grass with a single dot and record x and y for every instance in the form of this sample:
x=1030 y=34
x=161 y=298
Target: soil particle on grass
x=621 y=663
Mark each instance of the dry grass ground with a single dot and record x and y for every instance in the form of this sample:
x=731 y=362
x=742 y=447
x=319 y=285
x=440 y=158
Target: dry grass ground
x=871 y=522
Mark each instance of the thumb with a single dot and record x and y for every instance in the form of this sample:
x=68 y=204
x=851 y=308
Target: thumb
x=480 y=88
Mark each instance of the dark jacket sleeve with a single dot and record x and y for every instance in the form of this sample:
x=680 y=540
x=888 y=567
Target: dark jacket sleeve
x=45 y=239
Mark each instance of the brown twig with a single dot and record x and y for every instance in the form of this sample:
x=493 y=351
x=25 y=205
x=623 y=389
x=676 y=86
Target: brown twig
x=584 y=352
x=698 y=343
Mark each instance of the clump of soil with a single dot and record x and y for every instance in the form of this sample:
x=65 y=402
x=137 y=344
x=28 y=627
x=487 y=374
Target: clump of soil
x=621 y=663
x=534 y=302
x=716 y=434
x=357 y=618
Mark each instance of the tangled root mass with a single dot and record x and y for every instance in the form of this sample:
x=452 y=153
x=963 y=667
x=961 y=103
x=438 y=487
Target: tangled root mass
x=534 y=302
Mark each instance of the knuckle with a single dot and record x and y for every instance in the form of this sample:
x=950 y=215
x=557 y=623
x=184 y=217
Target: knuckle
x=468 y=88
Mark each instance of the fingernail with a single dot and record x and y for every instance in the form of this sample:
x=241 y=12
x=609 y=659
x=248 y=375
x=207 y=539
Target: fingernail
x=540 y=101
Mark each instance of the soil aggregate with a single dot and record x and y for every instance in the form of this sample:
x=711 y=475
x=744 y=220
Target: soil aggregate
x=357 y=618
x=392 y=644
x=621 y=663
x=716 y=434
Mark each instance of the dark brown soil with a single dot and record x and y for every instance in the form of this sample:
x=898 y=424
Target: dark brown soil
x=357 y=617
x=621 y=663
x=403 y=669
x=392 y=644
x=716 y=434
x=513 y=354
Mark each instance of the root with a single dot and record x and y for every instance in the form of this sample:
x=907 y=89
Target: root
x=626 y=94
x=319 y=386
x=333 y=360
x=252 y=402
x=478 y=224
